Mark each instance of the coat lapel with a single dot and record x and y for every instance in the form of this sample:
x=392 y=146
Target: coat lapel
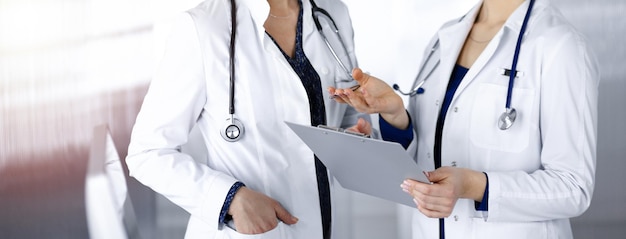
x=451 y=40
x=482 y=60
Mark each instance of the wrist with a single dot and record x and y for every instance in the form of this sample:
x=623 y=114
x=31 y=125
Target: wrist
x=229 y=201
x=476 y=185
x=399 y=120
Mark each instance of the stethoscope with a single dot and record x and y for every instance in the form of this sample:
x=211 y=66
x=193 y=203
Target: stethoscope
x=507 y=118
x=233 y=130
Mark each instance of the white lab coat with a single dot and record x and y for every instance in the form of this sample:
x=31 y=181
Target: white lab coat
x=541 y=171
x=191 y=87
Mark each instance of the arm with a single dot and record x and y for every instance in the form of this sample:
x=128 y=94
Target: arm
x=171 y=107
x=169 y=111
x=564 y=187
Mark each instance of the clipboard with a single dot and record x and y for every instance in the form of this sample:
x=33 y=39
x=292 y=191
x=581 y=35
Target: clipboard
x=370 y=166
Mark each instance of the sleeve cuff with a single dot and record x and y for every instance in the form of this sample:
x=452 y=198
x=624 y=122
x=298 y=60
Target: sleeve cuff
x=484 y=204
x=224 y=217
x=393 y=134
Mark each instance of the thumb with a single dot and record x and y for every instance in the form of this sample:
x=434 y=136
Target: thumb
x=435 y=176
x=364 y=127
x=359 y=76
x=284 y=215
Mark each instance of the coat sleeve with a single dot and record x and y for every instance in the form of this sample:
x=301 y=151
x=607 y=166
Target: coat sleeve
x=170 y=109
x=563 y=186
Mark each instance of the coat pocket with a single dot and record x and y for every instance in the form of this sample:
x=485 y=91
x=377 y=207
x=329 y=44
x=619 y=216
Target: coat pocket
x=488 y=105
x=277 y=233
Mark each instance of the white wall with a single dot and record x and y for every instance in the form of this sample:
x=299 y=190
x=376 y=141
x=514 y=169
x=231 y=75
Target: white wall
x=391 y=36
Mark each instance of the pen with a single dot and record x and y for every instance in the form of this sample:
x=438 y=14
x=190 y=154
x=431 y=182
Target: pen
x=353 y=88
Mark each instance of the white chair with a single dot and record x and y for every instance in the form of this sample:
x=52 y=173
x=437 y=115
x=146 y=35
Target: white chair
x=110 y=213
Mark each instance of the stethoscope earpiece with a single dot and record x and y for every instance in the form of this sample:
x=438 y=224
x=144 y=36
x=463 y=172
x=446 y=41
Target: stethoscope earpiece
x=417 y=90
x=396 y=87
x=507 y=118
x=233 y=130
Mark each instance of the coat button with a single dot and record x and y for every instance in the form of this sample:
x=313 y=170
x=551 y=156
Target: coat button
x=456 y=109
x=428 y=155
x=324 y=70
x=453 y=164
x=456 y=218
x=437 y=103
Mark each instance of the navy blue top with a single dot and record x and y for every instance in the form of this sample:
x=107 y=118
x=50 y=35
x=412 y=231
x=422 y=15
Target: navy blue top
x=404 y=137
x=455 y=80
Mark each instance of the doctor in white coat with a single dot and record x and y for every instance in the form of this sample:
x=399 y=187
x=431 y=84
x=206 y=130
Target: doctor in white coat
x=522 y=182
x=191 y=87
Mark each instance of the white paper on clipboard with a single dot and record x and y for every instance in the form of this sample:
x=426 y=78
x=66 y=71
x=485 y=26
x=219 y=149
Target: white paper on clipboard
x=369 y=166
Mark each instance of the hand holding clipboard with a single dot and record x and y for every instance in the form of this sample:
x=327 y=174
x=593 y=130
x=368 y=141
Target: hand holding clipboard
x=363 y=164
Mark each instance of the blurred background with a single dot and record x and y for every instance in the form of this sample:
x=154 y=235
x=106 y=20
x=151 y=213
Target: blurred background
x=69 y=65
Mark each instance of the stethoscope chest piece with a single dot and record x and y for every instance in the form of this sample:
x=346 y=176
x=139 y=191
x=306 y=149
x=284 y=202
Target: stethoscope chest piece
x=507 y=118
x=233 y=130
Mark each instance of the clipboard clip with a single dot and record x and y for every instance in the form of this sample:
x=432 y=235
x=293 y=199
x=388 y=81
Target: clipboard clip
x=343 y=131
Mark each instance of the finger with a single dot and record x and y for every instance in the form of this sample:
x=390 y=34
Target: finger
x=435 y=190
x=431 y=213
x=344 y=98
x=339 y=95
x=428 y=212
x=414 y=184
x=331 y=90
x=335 y=93
x=435 y=204
x=375 y=104
x=429 y=205
x=442 y=205
x=364 y=126
x=284 y=215
x=248 y=226
x=437 y=175
x=368 y=99
x=339 y=99
x=361 y=126
x=357 y=127
x=356 y=100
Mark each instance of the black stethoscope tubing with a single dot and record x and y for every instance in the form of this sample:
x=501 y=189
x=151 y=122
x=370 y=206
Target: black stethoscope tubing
x=233 y=25
x=234 y=128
